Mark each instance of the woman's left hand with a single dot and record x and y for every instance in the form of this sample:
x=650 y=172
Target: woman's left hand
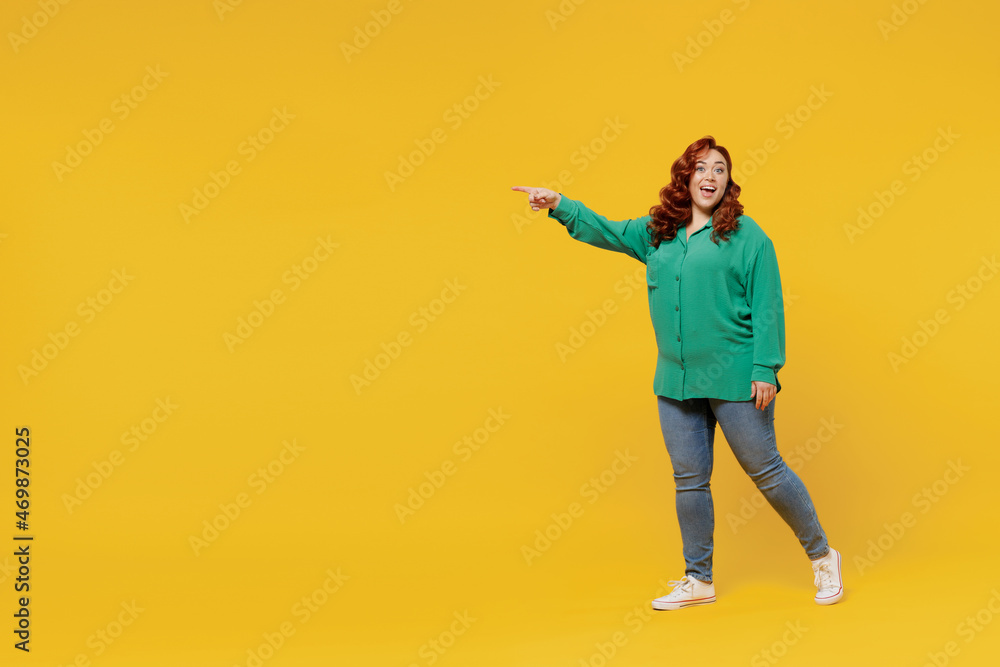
x=764 y=393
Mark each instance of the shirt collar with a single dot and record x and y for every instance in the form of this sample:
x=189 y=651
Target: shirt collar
x=708 y=223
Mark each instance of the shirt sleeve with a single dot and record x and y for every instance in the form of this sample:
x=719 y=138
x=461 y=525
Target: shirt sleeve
x=628 y=236
x=767 y=315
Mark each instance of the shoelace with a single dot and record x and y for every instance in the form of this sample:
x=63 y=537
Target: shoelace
x=824 y=576
x=683 y=586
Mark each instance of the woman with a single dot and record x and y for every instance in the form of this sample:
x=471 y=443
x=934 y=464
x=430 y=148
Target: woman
x=716 y=306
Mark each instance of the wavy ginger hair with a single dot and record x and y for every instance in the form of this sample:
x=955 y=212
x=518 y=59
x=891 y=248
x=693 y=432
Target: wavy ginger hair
x=674 y=210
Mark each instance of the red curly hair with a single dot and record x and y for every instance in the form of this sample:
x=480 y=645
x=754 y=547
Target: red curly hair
x=674 y=211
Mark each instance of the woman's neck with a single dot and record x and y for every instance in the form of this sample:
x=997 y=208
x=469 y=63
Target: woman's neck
x=698 y=218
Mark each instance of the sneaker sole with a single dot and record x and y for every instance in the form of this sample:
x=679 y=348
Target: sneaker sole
x=832 y=599
x=671 y=606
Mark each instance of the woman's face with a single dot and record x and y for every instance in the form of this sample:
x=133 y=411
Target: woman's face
x=708 y=182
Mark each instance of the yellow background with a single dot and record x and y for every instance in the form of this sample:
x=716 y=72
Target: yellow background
x=526 y=285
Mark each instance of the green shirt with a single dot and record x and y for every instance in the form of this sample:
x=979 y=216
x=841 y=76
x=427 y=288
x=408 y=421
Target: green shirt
x=717 y=310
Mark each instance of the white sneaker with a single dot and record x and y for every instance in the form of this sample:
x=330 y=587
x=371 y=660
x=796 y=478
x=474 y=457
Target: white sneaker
x=686 y=593
x=828 y=580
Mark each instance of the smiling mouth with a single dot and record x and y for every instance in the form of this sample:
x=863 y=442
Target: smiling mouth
x=707 y=190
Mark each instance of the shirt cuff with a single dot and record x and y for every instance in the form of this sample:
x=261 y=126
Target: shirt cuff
x=763 y=374
x=560 y=211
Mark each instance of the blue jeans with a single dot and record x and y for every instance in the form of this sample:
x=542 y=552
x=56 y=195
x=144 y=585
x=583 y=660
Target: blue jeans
x=689 y=433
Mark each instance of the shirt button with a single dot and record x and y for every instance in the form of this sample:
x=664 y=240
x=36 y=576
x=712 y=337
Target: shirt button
x=677 y=307
x=677 y=278
x=678 y=338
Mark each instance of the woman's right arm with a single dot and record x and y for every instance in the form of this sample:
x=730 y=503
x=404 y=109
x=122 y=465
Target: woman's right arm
x=627 y=236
